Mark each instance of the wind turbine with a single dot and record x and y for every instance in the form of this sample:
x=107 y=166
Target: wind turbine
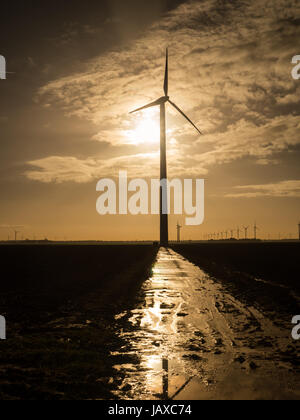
x=178 y=231
x=246 y=231
x=161 y=102
x=255 y=228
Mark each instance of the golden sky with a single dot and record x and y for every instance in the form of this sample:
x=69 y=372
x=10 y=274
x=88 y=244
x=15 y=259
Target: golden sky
x=64 y=118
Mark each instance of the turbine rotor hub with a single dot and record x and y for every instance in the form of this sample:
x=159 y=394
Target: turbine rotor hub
x=163 y=99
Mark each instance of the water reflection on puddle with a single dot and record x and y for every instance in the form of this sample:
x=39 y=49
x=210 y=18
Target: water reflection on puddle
x=192 y=340
x=159 y=332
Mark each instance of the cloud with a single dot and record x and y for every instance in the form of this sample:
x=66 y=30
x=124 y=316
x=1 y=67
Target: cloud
x=290 y=98
x=230 y=70
x=281 y=189
x=59 y=169
x=246 y=139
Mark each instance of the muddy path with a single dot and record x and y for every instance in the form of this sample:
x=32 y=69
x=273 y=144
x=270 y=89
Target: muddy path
x=195 y=340
x=60 y=304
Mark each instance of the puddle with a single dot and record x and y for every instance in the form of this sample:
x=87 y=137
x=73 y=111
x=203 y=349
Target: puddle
x=187 y=340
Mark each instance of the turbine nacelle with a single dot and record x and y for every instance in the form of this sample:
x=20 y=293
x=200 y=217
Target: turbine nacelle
x=166 y=98
x=158 y=102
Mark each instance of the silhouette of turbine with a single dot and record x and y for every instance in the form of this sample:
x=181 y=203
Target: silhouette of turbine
x=178 y=231
x=255 y=229
x=246 y=231
x=164 y=231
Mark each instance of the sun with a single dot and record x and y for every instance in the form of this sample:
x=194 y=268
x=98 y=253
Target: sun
x=147 y=131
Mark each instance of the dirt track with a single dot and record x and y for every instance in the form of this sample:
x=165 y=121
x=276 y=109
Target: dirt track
x=194 y=340
x=80 y=332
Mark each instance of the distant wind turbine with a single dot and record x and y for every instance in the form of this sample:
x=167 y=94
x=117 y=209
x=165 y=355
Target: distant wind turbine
x=178 y=231
x=246 y=231
x=164 y=231
x=255 y=229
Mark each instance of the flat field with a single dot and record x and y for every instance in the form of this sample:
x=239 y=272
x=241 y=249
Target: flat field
x=264 y=274
x=60 y=304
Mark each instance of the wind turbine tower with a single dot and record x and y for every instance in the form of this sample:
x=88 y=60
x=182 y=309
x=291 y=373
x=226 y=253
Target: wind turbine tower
x=255 y=230
x=178 y=232
x=246 y=231
x=161 y=102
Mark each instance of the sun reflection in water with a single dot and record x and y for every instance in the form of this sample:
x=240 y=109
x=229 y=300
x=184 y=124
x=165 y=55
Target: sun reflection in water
x=155 y=337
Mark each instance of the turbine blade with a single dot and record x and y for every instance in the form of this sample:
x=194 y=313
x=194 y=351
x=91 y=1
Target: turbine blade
x=166 y=82
x=155 y=103
x=182 y=113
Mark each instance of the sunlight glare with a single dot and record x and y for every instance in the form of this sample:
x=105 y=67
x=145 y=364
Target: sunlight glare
x=147 y=130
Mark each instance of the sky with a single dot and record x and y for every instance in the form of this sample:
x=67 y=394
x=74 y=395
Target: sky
x=77 y=68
